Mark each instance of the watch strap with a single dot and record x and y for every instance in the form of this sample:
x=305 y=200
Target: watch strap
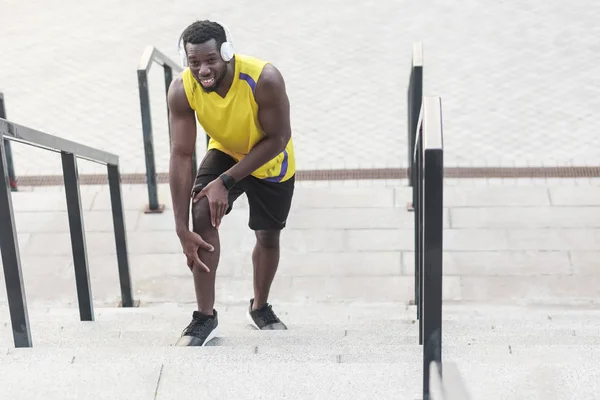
x=228 y=181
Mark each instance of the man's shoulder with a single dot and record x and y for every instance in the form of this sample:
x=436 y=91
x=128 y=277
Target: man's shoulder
x=267 y=79
x=180 y=92
x=255 y=67
x=249 y=61
x=270 y=80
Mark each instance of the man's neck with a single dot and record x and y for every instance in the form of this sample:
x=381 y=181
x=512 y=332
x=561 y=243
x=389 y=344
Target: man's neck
x=226 y=83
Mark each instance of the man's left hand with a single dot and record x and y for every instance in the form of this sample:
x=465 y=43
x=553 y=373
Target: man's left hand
x=218 y=200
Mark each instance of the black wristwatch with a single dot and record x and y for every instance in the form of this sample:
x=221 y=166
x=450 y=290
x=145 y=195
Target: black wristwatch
x=228 y=181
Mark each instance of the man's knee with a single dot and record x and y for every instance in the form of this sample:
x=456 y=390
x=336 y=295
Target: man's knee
x=201 y=216
x=268 y=239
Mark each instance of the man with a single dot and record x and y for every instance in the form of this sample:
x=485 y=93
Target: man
x=242 y=104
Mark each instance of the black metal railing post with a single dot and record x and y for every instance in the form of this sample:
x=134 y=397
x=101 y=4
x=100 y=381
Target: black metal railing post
x=153 y=206
x=77 y=232
x=168 y=72
x=8 y=151
x=432 y=262
x=418 y=219
x=415 y=97
x=414 y=100
x=11 y=261
x=150 y=56
x=418 y=207
x=114 y=184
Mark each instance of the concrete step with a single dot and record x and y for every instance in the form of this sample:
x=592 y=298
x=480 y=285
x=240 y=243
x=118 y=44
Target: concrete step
x=468 y=332
x=350 y=353
x=340 y=312
x=237 y=320
x=462 y=325
x=217 y=380
x=94 y=335
x=193 y=377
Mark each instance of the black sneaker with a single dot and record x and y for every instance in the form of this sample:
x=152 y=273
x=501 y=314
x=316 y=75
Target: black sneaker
x=200 y=331
x=264 y=319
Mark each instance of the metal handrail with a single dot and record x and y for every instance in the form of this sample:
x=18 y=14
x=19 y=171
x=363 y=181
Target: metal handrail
x=414 y=101
x=23 y=134
x=429 y=190
x=9 y=157
x=9 y=246
x=150 y=56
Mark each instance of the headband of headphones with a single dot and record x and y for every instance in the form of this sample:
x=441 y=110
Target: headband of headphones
x=227 y=51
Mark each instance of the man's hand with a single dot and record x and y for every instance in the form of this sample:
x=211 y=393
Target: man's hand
x=218 y=200
x=191 y=242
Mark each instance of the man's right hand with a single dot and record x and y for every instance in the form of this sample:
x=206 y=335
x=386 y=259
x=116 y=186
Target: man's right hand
x=191 y=242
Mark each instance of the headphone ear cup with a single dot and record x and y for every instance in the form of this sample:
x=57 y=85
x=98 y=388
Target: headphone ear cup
x=182 y=55
x=226 y=51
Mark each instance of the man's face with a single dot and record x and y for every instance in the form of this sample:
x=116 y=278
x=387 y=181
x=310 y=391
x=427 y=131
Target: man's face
x=206 y=64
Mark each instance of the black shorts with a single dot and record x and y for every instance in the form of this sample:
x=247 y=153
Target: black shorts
x=269 y=202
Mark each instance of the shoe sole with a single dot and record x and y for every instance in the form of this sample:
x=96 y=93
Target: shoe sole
x=213 y=334
x=251 y=321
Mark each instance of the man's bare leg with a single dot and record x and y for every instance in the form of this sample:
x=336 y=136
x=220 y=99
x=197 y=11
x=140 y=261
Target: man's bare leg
x=204 y=282
x=265 y=259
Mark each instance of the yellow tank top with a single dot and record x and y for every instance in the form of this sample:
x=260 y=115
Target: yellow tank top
x=232 y=122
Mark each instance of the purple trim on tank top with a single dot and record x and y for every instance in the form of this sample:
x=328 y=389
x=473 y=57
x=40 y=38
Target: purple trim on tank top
x=284 y=167
x=248 y=78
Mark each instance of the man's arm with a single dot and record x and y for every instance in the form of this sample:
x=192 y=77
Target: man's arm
x=274 y=118
x=183 y=141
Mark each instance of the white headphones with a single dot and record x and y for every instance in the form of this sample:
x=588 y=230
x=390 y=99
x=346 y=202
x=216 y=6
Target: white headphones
x=226 y=50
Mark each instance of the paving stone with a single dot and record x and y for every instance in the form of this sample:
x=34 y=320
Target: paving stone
x=80 y=381
x=526 y=217
x=494 y=196
x=293 y=380
x=181 y=290
x=59 y=244
x=340 y=264
x=380 y=239
x=527 y=380
x=584 y=196
x=553 y=239
x=475 y=239
x=499 y=263
x=363 y=289
x=27 y=201
x=585 y=263
x=134 y=197
x=530 y=289
x=354 y=218
x=347 y=197
x=58 y=221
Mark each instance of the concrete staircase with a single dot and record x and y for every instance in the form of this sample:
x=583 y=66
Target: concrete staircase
x=520 y=290
x=331 y=351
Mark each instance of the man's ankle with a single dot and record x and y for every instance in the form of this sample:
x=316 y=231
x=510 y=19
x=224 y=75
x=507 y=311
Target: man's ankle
x=206 y=311
x=258 y=305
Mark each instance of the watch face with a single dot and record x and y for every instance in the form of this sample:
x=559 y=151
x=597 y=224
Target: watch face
x=227 y=181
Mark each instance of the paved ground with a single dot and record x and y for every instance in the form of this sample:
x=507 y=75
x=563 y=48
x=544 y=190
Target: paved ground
x=518 y=80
